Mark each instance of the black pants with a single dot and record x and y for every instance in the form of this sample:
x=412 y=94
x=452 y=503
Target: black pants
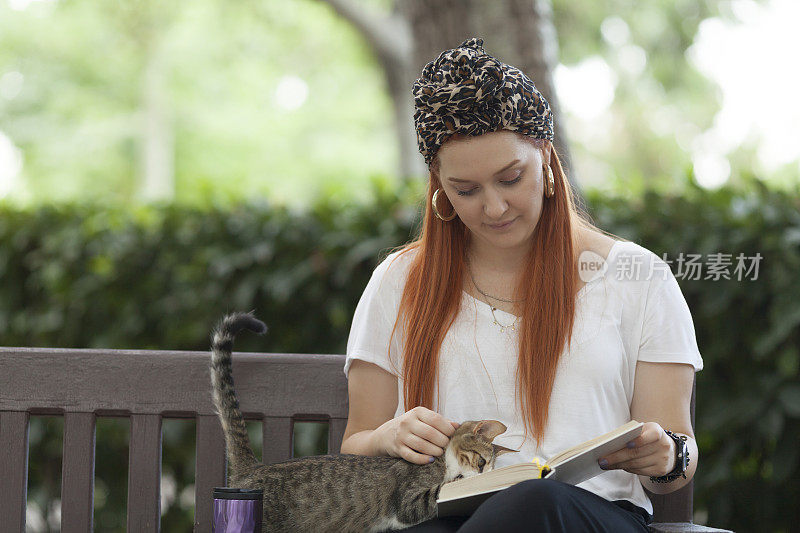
x=545 y=505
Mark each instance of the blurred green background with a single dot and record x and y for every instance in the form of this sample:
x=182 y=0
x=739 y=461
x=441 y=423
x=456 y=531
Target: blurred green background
x=275 y=186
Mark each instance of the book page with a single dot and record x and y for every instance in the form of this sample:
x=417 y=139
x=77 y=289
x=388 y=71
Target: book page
x=575 y=465
x=583 y=465
x=490 y=481
x=597 y=441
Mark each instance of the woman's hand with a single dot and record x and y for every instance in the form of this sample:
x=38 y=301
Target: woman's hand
x=417 y=436
x=650 y=454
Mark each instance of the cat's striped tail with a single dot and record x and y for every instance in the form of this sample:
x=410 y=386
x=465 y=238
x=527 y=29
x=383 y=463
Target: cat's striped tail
x=237 y=443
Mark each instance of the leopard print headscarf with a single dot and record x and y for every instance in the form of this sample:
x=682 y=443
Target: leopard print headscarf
x=467 y=91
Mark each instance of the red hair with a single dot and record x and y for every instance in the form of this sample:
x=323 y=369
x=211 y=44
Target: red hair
x=549 y=285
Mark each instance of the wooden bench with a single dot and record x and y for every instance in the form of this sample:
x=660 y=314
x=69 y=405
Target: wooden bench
x=148 y=386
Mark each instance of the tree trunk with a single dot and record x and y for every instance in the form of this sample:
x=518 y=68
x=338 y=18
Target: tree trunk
x=143 y=24
x=518 y=32
x=157 y=155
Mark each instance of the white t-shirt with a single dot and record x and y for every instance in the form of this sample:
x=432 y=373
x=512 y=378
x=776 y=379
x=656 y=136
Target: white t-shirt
x=634 y=311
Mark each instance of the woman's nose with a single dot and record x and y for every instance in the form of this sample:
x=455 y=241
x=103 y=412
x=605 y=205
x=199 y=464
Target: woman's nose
x=494 y=205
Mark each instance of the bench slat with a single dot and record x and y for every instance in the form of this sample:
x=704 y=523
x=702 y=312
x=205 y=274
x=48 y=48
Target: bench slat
x=170 y=383
x=144 y=474
x=674 y=506
x=277 y=445
x=77 y=478
x=335 y=434
x=209 y=468
x=13 y=469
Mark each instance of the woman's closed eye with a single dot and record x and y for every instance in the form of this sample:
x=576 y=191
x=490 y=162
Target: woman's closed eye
x=507 y=183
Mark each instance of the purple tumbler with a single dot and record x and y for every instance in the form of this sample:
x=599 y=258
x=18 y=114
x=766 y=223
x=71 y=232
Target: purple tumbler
x=237 y=510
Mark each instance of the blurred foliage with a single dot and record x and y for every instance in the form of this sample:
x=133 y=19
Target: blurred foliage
x=111 y=470
x=218 y=70
x=659 y=105
x=159 y=277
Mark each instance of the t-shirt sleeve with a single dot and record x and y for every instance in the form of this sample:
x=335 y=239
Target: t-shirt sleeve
x=668 y=330
x=371 y=338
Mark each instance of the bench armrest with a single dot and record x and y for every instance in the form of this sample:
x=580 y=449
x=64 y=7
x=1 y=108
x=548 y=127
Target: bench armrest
x=683 y=527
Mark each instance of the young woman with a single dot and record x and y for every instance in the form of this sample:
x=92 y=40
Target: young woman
x=511 y=306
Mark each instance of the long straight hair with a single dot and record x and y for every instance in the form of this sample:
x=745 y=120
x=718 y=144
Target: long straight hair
x=548 y=285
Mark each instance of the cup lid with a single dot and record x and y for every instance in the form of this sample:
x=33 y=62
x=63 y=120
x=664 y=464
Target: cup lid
x=230 y=493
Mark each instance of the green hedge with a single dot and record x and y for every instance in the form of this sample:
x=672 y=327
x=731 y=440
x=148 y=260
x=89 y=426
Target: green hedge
x=160 y=277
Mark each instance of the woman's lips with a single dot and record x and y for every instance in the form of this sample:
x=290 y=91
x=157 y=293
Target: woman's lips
x=502 y=226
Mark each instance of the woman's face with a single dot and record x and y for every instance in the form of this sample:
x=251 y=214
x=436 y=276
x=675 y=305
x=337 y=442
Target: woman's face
x=494 y=182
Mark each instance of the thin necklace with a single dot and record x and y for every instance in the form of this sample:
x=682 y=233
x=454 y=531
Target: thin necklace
x=503 y=327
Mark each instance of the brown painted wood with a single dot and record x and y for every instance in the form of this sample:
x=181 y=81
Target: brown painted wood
x=144 y=474
x=119 y=382
x=77 y=473
x=335 y=434
x=13 y=469
x=675 y=506
x=209 y=470
x=277 y=445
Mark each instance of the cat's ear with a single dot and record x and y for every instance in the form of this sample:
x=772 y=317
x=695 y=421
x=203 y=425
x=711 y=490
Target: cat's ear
x=500 y=450
x=489 y=429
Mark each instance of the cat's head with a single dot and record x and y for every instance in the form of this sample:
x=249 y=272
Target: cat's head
x=470 y=450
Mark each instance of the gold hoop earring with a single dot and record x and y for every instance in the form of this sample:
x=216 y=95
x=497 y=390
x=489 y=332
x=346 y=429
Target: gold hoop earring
x=436 y=210
x=550 y=185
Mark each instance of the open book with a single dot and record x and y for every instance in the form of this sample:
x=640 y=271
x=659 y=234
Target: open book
x=573 y=466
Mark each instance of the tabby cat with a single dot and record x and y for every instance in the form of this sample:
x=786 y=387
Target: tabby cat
x=340 y=493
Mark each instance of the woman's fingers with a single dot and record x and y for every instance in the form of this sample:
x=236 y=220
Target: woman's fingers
x=637 y=464
x=652 y=450
x=414 y=457
x=420 y=435
x=430 y=434
x=423 y=446
x=435 y=420
x=653 y=459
